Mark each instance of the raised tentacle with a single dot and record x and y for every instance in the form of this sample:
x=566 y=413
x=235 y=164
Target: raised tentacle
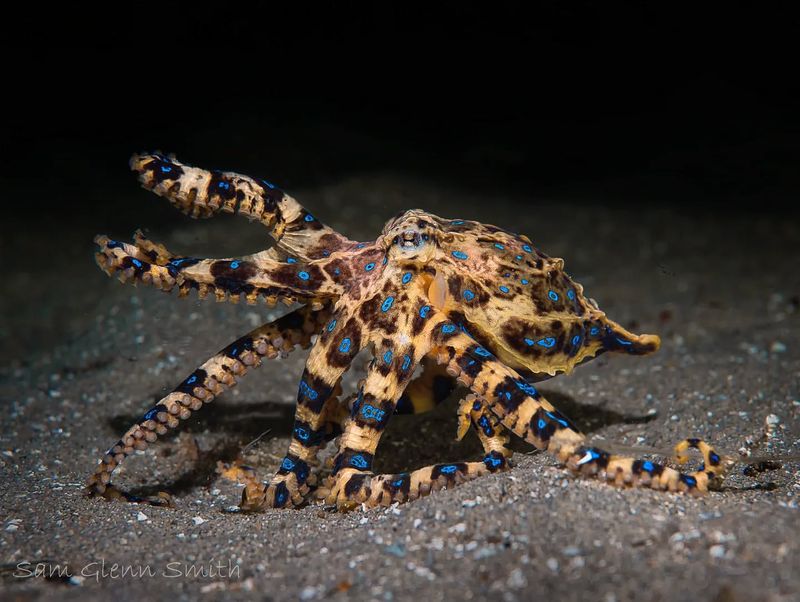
x=522 y=409
x=203 y=385
x=228 y=279
x=201 y=193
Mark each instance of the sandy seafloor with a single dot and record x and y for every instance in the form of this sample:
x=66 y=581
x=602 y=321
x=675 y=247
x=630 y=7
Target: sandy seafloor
x=83 y=356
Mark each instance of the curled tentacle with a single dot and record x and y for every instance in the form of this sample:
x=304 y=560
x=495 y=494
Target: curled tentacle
x=522 y=409
x=201 y=193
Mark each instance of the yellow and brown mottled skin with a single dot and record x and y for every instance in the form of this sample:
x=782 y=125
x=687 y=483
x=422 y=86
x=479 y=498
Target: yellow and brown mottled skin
x=464 y=301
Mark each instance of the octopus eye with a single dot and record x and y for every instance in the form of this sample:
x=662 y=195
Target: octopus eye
x=411 y=240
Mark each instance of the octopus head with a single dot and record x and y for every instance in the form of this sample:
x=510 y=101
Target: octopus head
x=412 y=235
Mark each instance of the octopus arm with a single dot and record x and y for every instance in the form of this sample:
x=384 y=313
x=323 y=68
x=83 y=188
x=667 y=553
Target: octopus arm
x=523 y=410
x=227 y=279
x=201 y=193
x=210 y=379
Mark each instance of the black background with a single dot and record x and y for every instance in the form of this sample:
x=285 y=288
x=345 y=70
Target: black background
x=625 y=103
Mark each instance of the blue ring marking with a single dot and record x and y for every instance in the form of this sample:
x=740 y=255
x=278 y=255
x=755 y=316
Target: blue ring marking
x=560 y=421
x=553 y=295
x=269 y=184
x=576 y=340
x=303 y=275
x=529 y=342
x=113 y=244
x=460 y=255
x=337 y=271
x=495 y=462
x=308 y=391
x=302 y=433
x=524 y=281
x=291 y=260
x=287 y=464
x=527 y=388
x=541 y=423
x=191 y=380
x=448 y=469
x=370 y=266
x=546 y=342
x=527 y=248
x=387 y=305
x=648 y=466
x=166 y=169
x=477 y=406
x=571 y=294
x=406 y=362
x=136 y=262
x=359 y=462
x=499 y=246
x=518 y=257
x=371 y=412
x=361 y=245
x=151 y=413
x=399 y=482
x=594 y=330
x=385 y=260
x=504 y=288
x=423 y=311
x=407 y=277
x=224 y=185
x=331 y=325
x=325 y=252
x=714 y=458
x=690 y=481
x=457 y=222
x=482 y=352
x=507 y=275
x=387 y=357
x=301 y=473
x=280 y=497
x=309 y=218
x=234 y=265
x=623 y=341
x=344 y=346
x=469 y=295
x=448 y=328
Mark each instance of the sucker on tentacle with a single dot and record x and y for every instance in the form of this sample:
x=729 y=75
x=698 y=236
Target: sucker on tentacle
x=465 y=302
